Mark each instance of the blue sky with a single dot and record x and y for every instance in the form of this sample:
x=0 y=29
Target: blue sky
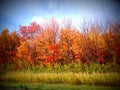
x=16 y=12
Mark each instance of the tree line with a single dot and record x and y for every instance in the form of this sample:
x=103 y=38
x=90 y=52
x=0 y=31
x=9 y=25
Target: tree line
x=62 y=44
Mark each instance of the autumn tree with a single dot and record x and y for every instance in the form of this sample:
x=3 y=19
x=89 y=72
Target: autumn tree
x=92 y=44
x=111 y=39
x=29 y=32
x=8 y=44
x=47 y=38
x=27 y=36
x=66 y=41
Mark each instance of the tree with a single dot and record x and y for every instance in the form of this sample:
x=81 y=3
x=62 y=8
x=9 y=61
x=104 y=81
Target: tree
x=48 y=37
x=8 y=45
x=29 y=32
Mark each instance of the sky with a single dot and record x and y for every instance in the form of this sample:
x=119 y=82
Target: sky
x=22 y=12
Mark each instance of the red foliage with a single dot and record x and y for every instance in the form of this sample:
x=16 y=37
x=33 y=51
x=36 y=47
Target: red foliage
x=49 y=61
x=53 y=57
x=51 y=47
x=117 y=53
x=88 y=61
x=28 y=32
x=3 y=61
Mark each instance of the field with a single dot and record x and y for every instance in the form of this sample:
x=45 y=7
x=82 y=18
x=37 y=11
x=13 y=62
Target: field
x=68 y=80
x=105 y=79
x=68 y=77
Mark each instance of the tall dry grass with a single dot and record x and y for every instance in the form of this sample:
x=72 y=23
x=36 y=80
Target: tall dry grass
x=106 y=79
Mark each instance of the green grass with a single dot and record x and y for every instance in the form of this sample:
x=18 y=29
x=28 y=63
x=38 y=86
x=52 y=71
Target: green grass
x=71 y=67
x=101 y=79
x=42 y=86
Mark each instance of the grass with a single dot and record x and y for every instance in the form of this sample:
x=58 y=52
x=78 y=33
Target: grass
x=71 y=67
x=42 y=86
x=101 y=79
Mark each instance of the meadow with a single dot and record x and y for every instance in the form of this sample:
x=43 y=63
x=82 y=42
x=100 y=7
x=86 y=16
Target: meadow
x=104 y=79
x=72 y=74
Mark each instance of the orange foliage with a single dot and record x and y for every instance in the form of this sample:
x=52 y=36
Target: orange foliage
x=50 y=44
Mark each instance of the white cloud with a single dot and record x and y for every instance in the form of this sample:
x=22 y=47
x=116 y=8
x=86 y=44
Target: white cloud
x=37 y=19
x=44 y=20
